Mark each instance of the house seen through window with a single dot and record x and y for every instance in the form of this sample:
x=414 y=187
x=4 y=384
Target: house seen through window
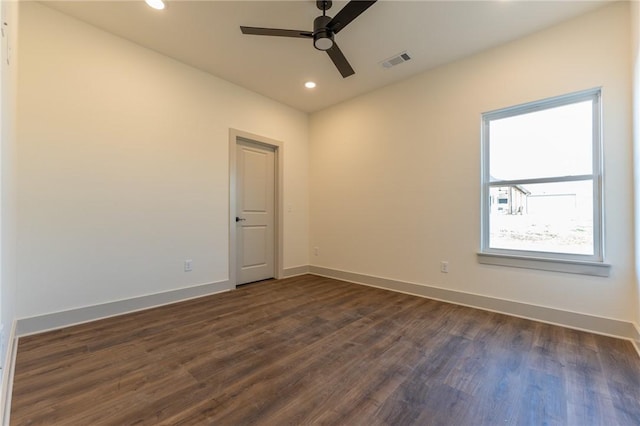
x=542 y=179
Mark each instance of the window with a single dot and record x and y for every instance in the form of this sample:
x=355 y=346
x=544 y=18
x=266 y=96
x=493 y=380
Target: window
x=542 y=185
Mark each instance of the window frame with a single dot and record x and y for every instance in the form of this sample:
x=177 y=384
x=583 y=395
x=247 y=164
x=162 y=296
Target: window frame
x=563 y=262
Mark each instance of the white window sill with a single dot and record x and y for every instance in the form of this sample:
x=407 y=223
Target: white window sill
x=597 y=269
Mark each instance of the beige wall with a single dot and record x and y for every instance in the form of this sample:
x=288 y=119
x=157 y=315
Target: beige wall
x=635 y=57
x=8 y=289
x=395 y=173
x=123 y=167
x=9 y=63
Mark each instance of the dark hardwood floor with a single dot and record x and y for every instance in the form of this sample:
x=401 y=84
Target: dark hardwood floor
x=312 y=350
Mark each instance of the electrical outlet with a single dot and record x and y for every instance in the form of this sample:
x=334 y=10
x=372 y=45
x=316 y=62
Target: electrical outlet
x=316 y=251
x=444 y=266
x=188 y=265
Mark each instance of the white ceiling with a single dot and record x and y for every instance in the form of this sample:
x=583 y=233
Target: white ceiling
x=206 y=35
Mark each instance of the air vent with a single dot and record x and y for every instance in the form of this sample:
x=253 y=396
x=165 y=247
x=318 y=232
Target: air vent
x=396 y=60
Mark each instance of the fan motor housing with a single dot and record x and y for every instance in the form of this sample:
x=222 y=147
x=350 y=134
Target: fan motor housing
x=322 y=36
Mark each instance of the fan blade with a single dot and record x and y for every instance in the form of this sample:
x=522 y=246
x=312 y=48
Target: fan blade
x=351 y=11
x=340 y=61
x=276 y=32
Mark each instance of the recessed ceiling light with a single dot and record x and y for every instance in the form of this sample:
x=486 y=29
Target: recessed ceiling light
x=310 y=85
x=156 y=4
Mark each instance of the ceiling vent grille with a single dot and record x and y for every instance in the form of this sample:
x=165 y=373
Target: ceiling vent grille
x=396 y=60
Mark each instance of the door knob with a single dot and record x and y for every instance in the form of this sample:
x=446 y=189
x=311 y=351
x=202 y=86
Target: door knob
x=240 y=219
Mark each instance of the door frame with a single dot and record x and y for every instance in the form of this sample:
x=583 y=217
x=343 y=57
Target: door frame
x=235 y=136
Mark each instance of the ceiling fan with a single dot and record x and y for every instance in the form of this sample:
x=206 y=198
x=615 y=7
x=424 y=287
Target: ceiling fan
x=324 y=28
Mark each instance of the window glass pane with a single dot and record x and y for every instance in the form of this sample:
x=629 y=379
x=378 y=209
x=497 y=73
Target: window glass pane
x=551 y=217
x=549 y=143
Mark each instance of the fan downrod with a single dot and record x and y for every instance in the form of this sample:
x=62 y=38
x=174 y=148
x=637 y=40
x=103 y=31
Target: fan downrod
x=324 y=4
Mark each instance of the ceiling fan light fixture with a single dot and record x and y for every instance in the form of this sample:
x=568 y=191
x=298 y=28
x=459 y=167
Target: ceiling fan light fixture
x=323 y=40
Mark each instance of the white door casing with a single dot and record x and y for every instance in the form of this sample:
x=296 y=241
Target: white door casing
x=255 y=244
x=237 y=229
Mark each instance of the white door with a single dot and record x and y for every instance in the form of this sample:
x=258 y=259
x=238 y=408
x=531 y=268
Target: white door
x=255 y=216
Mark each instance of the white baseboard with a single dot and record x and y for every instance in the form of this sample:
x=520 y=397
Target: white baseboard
x=7 y=375
x=590 y=323
x=52 y=321
x=295 y=271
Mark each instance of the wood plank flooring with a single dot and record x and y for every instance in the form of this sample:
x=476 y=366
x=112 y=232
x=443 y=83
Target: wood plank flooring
x=312 y=350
